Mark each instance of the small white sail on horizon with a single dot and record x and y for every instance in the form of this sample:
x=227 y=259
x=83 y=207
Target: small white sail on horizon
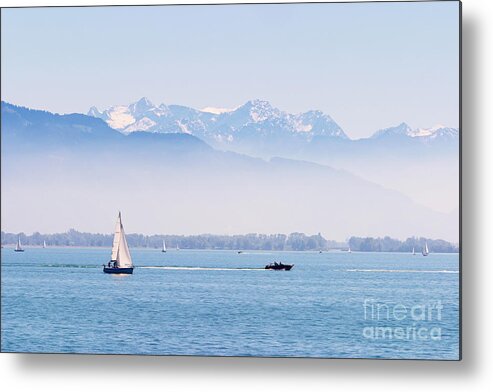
x=18 y=246
x=164 y=247
x=120 y=252
x=44 y=244
x=414 y=253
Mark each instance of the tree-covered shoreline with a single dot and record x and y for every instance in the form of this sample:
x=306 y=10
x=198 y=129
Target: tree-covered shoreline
x=254 y=241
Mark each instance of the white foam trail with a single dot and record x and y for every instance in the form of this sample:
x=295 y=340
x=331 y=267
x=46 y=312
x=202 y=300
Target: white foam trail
x=256 y=253
x=405 y=271
x=206 y=268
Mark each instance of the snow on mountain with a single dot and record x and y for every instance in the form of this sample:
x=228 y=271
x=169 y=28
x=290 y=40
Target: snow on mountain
x=319 y=124
x=422 y=134
x=119 y=117
x=438 y=131
x=402 y=129
x=451 y=133
x=254 y=122
x=259 y=110
x=94 y=112
x=213 y=110
x=139 y=108
x=255 y=118
x=143 y=124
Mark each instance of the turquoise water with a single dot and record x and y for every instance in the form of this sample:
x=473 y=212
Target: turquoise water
x=334 y=304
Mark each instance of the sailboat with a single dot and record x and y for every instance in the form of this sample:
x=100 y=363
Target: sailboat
x=349 y=250
x=121 y=261
x=164 y=247
x=44 y=244
x=18 y=247
x=425 y=251
x=414 y=253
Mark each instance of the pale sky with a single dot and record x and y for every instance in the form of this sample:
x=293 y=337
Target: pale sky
x=369 y=66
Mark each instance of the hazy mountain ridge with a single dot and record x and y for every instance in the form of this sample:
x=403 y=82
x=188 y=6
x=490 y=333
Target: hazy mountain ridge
x=178 y=181
x=40 y=131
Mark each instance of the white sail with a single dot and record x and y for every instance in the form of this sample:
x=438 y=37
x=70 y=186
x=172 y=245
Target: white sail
x=425 y=250
x=44 y=244
x=120 y=252
x=116 y=238
x=18 y=246
x=164 y=246
x=414 y=251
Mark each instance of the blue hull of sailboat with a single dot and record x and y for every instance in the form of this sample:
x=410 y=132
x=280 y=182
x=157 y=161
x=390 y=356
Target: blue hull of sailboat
x=127 y=271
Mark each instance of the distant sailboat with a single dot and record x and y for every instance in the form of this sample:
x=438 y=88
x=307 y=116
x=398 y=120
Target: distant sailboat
x=177 y=247
x=349 y=249
x=425 y=251
x=414 y=253
x=121 y=261
x=44 y=244
x=164 y=247
x=18 y=247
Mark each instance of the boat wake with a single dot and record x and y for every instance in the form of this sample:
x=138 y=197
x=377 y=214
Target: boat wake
x=405 y=271
x=70 y=266
x=203 y=268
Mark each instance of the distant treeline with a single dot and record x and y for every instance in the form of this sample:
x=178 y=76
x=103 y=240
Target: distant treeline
x=388 y=244
x=293 y=241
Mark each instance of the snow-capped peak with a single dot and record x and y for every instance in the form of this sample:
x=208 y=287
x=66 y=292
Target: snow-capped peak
x=401 y=129
x=213 y=110
x=94 y=112
x=260 y=110
x=140 y=107
x=427 y=131
x=421 y=133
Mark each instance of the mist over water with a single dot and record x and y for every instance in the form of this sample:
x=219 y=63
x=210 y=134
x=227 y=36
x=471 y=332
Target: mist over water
x=205 y=193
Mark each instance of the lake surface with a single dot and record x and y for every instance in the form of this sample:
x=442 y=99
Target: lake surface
x=334 y=304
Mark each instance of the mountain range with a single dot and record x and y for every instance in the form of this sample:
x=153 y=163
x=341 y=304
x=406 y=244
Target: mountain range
x=397 y=157
x=254 y=119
